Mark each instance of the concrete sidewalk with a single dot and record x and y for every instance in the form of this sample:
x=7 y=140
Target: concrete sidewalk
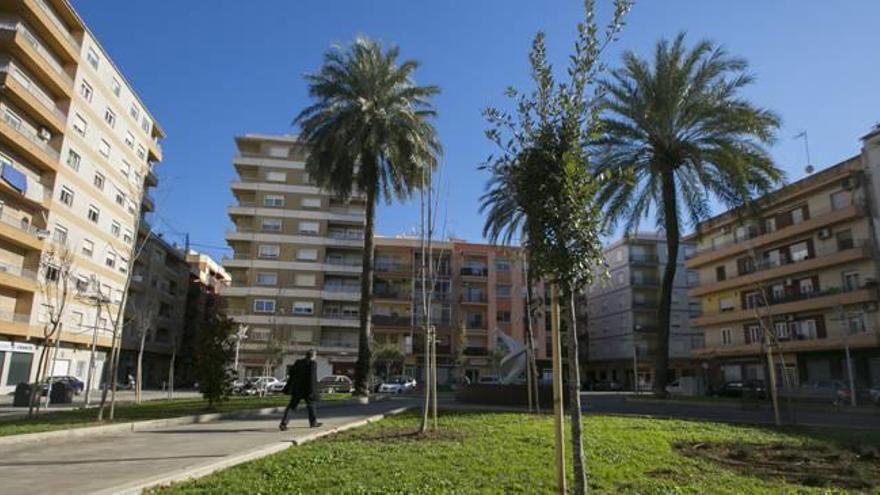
x=128 y=462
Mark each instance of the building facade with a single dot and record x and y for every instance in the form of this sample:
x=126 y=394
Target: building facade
x=77 y=150
x=621 y=313
x=155 y=309
x=296 y=276
x=207 y=281
x=798 y=276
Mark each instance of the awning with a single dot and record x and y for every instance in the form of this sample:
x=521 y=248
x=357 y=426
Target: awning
x=14 y=178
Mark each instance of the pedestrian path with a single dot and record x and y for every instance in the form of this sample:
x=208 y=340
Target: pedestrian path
x=128 y=462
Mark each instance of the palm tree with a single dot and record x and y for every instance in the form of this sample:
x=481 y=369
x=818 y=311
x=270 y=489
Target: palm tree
x=370 y=133
x=679 y=133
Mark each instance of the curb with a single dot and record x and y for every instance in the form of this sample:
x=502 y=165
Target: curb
x=132 y=426
x=138 y=487
x=806 y=407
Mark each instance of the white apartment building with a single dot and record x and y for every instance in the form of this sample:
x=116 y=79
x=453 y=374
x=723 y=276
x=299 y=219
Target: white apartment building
x=297 y=260
x=77 y=147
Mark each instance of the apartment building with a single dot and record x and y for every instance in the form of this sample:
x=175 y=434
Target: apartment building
x=296 y=258
x=77 y=150
x=207 y=281
x=156 y=309
x=296 y=275
x=802 y=268
x=621 y=313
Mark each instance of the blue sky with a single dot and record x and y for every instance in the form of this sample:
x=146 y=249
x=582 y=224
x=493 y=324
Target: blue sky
x=211 y=69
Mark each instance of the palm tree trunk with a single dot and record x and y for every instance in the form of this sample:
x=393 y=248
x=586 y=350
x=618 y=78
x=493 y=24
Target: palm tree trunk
x=574 y=398
x=664 y=310
x=362 y=367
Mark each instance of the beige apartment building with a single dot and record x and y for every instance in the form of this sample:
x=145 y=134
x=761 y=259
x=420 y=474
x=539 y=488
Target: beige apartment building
x=806 y=265
x=77 y=150
x=621 y=314
x=296 y=275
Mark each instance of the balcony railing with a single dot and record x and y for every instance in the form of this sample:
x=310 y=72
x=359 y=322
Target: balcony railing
x=15 y=317
x=470 y=271
x=766 y=264
x=343 y=262
x=476 y=323
x=645 y=280
x=474 y=298
x=476 y=351
x=21 y=224
x=351 y=236
x=773 y=299
x=342 y=288
x=391 y=294
x=18 y=271
x=60 y=25
x=338 y=315
x=643 y=258
x=345 y=344
x=35 y=91
x=31 y=136
x=38 y=46
x=392 y=320
x=393 y=267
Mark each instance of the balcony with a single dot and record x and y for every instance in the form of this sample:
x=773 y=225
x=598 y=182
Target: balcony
x=338 y=315
x=817 y=220
x=18 y=278
x=52 y=28
x=346 y=345
x=14 y=323
x=791 y=303
x=474 y=271
x=148 y=202
x=867 y=339
x=474 y=299
x=25 y=46
x=643 y=259
x=28 y=144
x=20 y=232
x=476 y=351
x=476 y=324
x=151 y=179
x=346 y=236
x=25 y=94
x=767 y=270
x=394 y=268
x=392 y=321
x=392 y=294
x=645 y=281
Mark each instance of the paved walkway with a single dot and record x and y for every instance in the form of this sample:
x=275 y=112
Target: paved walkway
x=123 y=463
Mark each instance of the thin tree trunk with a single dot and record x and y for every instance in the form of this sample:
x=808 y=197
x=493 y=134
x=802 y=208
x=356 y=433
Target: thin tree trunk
x=574 y=398
x=35 y=390
x=530 y=339
x=171 y=372
x=362 y=367
x=664 y=311
x=140 y=368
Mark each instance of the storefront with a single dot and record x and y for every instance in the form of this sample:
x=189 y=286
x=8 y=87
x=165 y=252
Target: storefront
x=16 y=360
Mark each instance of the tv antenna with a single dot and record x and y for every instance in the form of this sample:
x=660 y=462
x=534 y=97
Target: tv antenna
x=803 y=134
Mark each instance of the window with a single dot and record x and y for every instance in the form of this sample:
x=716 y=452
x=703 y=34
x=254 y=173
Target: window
x=770 y=224
x=267 y=278
x=123 y=268
x=276 y=176
x=120 y=198
x=73 y=159
x=19 y=367
x=799 y=251
x=117 y=88
x=755 y=334
x=264 y=305
x=308 y=227
x=142 y=152
x=502 y=265
x=98 y=181
x=311 y=202
x=88 y=248
x=805 y=286
x=502 y=290
x=304 y=280
x=127 y=236
x=303 y=308
x=278 y=151
x=110 y=118
x=502 y=316
x=274 y=200
x=726 y=305
x=94 y=213
x=80 y=125
x=781 y=329
x=59 y=235
x=271 y=225
x=839 y=200
x=845 y=240
x=66 y=196
x=754 y=299
x=104 y=148
x=145 y=125
x=797 y=216
x=85 y=89
x=720 y=273
x=115 y=229
x=307 y=254
x=268 y=251
x=850 y=280
x=51 y=275
x=726 y=336
x=135 y=112
x=855 y=322
x=259 y=334
x=92 y=57
x=110 y=260
x=129 y=139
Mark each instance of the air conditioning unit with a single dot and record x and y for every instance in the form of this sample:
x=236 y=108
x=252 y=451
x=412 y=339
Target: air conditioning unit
x=44 y=134
x=849 y=183
x=42 y=234
x=824 y=233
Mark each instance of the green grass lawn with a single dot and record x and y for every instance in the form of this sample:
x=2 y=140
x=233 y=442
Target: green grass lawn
x=154 y=409
x=506 y=453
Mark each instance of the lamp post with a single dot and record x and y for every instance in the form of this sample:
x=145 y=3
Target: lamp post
x=841 y=315
x=239 y=336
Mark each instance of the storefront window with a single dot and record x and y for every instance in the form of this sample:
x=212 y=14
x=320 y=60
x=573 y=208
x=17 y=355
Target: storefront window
x=19 y=368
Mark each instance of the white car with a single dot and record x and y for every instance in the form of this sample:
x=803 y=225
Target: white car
x=258 y=384
x=398 y=385
x=277 y=387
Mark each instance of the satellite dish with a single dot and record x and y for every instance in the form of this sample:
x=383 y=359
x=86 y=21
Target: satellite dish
x=810 y=169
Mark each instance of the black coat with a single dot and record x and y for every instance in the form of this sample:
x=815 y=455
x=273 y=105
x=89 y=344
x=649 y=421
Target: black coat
x=303 y=380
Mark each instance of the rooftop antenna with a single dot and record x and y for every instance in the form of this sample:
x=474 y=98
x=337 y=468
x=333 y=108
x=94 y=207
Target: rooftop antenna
x=803 y=134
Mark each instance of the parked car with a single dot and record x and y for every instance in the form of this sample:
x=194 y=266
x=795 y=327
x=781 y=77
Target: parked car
x=819 y=390
x=71 y=381
x=488 y=380
x=874 y=395
x=335 y=383
x=398 y=385
x=606 y=386
x=686 y=385
x=255 y=385
x=743 y=388
x=277 y=387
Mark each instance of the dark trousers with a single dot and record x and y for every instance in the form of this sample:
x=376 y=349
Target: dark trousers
x=294 y=401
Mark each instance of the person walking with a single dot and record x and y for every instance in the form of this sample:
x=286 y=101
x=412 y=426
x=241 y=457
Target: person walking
x=303 y=385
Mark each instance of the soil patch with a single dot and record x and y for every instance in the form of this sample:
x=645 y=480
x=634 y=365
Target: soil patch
x=857 y=468
x=406 y=435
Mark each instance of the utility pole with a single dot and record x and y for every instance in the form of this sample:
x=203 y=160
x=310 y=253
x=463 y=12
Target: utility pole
x=558 y=427
x=242 y=334
x=635 y=366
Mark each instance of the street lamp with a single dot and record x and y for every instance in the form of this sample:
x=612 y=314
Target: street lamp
x=239 y=336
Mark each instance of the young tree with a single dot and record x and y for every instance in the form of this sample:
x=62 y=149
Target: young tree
x=54 y=282
x=545 y=159
x=369 y=132
x=680 y=133
x=389 y=355
x=215 y=349
x=144 y=313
